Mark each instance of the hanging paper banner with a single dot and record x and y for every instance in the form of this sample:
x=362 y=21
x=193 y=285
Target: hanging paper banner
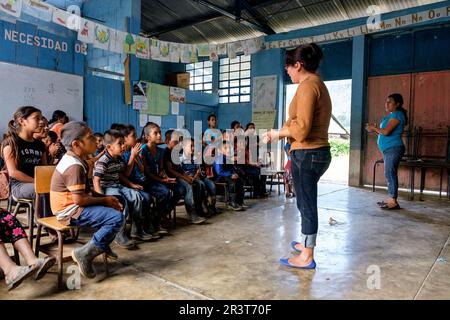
x=154 y=49
x=231 y=48
x=129 y=44
x=193 y=57
x=37 y=9
x=12 y=7
x=185 y=56
x=164 y=51
x=143 y=48
x=174 y=49
x=116 y=42
x=60 y=17
x=213 y=56
x=86 y=32
x=102 y=37
x=203 y=50
x=222 y=49
x=249 y=46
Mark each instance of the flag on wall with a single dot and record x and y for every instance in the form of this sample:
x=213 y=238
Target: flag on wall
x=143 y=48
x=213 y=55
x=129 y=44
x=174 y=52
x=60 y=17
x=116 y=42
x=86 y=32
x=37 y=9
x=12 y=7
x=203 y=50
x=164 y=51
x=102 y=37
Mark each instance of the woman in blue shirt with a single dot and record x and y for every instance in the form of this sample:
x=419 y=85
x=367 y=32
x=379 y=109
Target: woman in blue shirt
x=391 y=145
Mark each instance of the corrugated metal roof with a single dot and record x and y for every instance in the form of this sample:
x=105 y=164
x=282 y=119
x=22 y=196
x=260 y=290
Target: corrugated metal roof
x=281 y=16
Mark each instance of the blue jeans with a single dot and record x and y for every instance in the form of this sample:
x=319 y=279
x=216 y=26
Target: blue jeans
x=133 y=203
x=307 y=168
x=235 y=189
x=167 y=195
x=192 y=197
x=392 y=157
x=107 y=220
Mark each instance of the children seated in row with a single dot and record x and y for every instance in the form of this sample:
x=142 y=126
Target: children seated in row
x=166 y=190
x=99 y=142
x=22 y=152
x=55 y=149
x=191 y=166
x=136 y=174
x=11 y=231
x=58 y=120
x=173 y=169
x=109 y=179
x=225 y=171
x=74 y=204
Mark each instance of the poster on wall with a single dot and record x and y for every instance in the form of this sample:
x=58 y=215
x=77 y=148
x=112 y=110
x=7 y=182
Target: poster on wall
x=264 y=101
x=11 y=7
x=158 y=99
x=140 y=96
x=177 y=95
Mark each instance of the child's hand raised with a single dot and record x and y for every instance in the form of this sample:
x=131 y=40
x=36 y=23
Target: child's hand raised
x=136 y=150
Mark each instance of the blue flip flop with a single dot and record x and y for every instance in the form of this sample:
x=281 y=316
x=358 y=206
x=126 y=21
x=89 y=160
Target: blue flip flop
x=286 y=263
x=293 y=244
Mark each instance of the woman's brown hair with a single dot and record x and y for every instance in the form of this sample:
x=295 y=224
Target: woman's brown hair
x=308 y=55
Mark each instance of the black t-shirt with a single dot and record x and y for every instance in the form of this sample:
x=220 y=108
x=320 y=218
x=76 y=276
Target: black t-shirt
x=30 y=155
x=167 y=158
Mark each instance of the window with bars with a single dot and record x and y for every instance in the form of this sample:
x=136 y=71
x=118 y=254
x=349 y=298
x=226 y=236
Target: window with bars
x=234 y=79
x=201 y=76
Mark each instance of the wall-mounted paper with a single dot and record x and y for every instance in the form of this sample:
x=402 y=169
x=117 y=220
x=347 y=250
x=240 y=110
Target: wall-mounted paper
x=158 y=99
x=180 y=122
x=155 y=119
x=143 y=118
x=175 y=108
x=177 y=95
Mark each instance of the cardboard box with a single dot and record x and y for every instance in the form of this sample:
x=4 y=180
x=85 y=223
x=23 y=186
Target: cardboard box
x=180 y=80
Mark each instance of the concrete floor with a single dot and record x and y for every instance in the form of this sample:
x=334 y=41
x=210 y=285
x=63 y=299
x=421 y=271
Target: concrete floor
x=236 y=255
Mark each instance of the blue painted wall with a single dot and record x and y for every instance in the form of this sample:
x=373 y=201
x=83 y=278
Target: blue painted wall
x=39 y=57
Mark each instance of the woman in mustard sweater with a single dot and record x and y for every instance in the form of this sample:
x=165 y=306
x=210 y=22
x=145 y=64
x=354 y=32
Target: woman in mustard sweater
x=307 y=128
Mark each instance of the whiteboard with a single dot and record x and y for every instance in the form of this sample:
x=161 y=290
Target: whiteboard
x=43 y=89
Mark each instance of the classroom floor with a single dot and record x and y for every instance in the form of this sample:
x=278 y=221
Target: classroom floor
x=236 y=255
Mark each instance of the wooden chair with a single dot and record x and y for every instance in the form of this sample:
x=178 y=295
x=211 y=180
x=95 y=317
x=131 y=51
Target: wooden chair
x=28 y=205
x=42 y=182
